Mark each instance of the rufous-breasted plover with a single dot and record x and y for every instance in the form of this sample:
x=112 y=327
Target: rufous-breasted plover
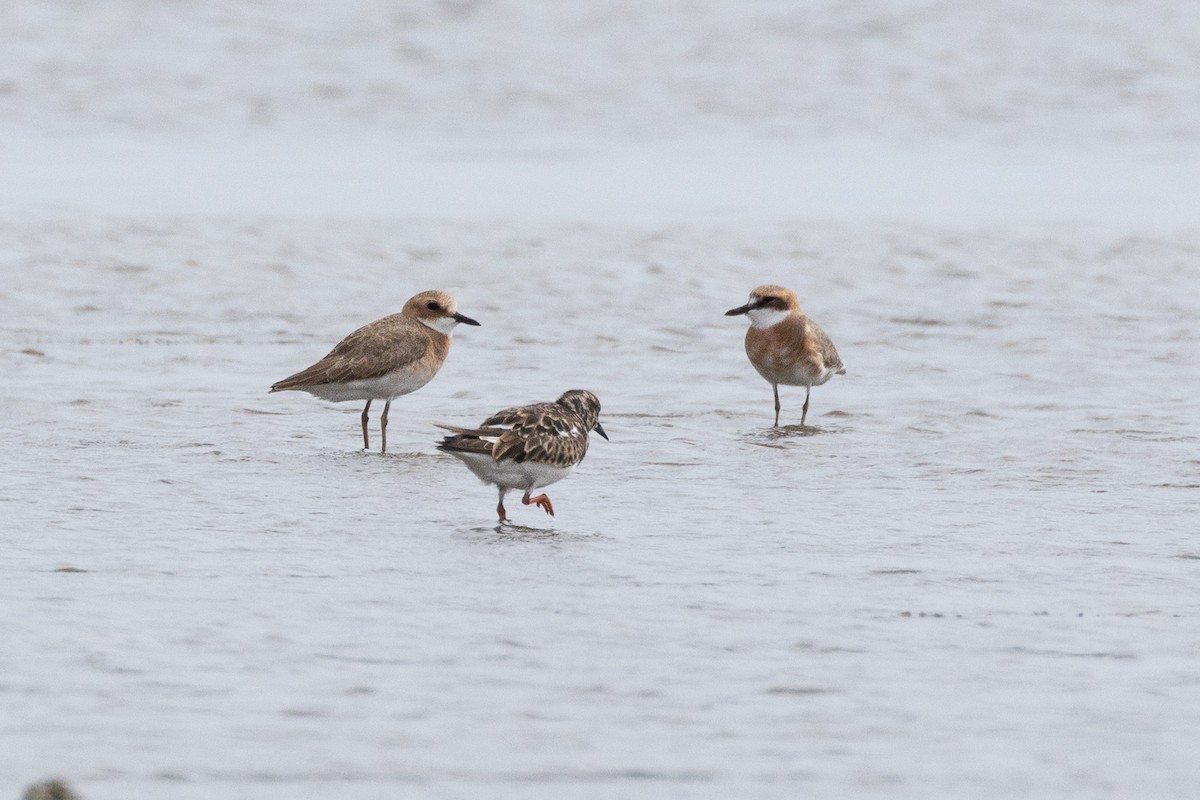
x=785 y=346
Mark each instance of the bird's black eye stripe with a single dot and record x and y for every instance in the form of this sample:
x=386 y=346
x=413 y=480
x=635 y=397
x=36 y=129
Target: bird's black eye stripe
x=432 y=305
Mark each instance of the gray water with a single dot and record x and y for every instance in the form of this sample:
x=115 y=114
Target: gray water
x=972 y=574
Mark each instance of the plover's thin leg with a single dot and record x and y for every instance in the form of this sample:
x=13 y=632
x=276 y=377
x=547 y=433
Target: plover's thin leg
x=500 y=504
x=775 y=386
x=540 y=500
x=383 y=424
x=366 y=441
x=804 y=411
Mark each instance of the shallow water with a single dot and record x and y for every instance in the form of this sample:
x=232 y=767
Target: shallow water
x=973 y=573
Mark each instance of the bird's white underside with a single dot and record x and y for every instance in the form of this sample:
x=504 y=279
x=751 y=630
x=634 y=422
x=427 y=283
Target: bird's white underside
x=385 y=387
x=509 y=474
x=801 y=377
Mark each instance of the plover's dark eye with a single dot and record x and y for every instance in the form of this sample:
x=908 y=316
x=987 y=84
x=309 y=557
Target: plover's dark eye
x=432 y=306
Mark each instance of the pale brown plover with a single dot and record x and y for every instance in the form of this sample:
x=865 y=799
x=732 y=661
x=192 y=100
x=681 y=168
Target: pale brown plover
x=385 y=359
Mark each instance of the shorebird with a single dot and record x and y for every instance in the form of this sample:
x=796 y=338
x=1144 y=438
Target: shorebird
x=785 y=346
x=528 y=447
x=387 y=358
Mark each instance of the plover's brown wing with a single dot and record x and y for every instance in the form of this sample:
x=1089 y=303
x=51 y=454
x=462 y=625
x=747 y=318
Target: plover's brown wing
x=829 y=353
x=373 y=350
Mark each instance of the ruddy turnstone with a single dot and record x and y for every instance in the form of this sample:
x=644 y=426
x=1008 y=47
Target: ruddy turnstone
x=385 y=359
x=528 y=447
x=784 y=345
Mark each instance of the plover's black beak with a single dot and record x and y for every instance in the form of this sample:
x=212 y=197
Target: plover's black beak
x=733 y=312
x=464 y=319
x=600 y=430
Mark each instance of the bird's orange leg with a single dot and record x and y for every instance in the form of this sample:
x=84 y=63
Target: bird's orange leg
x=366 y=441
x=540 y=500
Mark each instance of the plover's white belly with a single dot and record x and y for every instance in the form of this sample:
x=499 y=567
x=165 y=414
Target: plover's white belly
x=824 y=376
x=384 y=387
x=802 y=374
x=510 y=474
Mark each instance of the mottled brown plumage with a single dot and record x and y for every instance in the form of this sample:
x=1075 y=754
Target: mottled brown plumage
x=387 y=358
x=785 y=346
x=529 y=446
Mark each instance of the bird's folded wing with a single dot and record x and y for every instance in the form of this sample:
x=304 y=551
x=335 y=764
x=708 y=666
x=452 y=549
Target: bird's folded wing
x=372 y=351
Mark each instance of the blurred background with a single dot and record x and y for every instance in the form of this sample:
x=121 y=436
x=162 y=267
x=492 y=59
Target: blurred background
x=874 y=106
x=1079 y=73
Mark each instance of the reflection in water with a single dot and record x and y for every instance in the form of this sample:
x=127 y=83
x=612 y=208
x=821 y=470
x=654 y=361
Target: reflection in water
x=769 y=437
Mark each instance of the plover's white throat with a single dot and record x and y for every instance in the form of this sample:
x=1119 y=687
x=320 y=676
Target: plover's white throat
x=785 y=346
x=528 y=447
x=385 y=359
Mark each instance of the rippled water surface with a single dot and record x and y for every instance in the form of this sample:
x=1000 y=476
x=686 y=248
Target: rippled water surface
x=972 y=574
